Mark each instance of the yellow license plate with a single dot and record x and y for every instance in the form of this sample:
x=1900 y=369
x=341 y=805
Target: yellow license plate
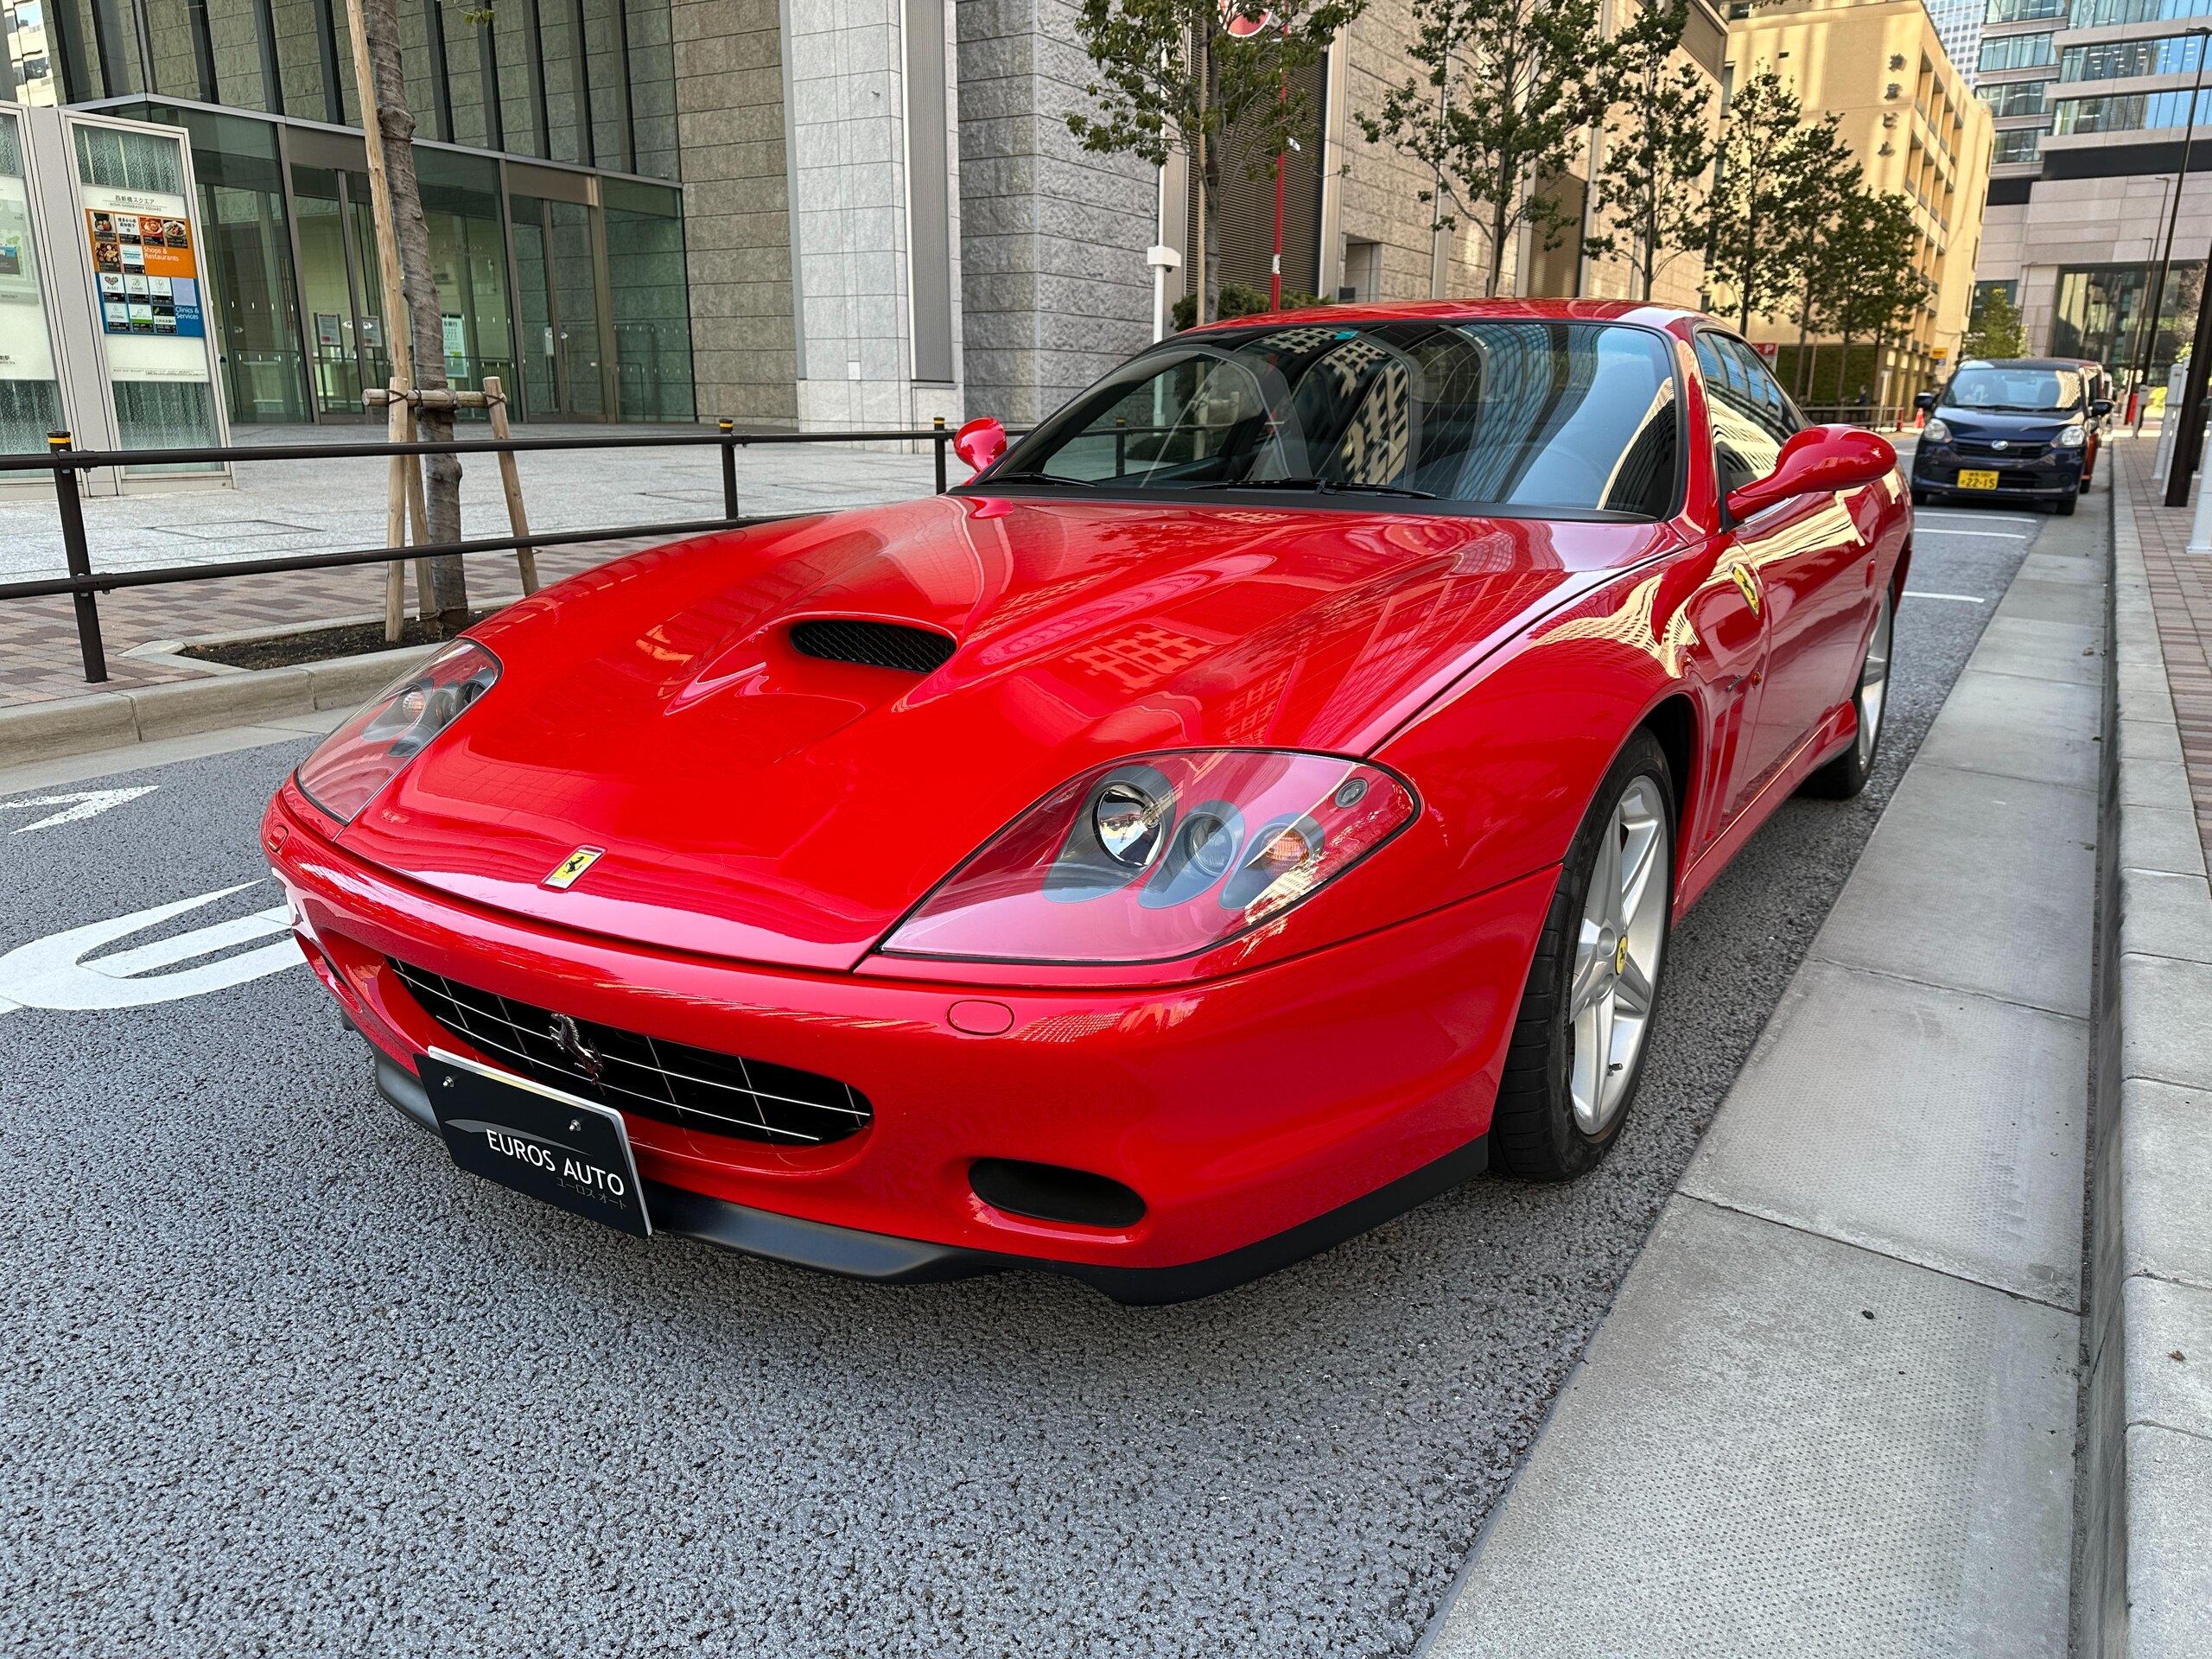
x=1977 y=480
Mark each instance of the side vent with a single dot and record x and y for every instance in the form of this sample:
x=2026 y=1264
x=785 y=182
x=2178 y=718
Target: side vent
x=872 y=644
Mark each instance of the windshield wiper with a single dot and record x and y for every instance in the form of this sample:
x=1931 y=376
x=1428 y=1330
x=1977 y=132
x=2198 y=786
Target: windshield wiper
x=1318 y=486
x=1042 y=478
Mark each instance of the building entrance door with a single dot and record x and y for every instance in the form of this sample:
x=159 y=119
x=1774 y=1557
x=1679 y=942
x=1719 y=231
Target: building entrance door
x=567 y=369
x=340 y=289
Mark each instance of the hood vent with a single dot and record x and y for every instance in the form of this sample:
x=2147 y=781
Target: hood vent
x=873 y=645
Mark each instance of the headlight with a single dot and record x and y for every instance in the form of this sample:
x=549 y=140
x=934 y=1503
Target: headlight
x=2073 y=437
x=1936 y=432
x=343 y=775
x=1158 y=857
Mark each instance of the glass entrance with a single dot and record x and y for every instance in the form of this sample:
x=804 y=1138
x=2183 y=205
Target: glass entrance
x=565 y=364
x=342 y=292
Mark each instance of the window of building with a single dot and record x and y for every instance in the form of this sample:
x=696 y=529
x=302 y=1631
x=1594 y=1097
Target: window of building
x=649 y=301
x=2169 y=54
x=2021 y=11
x=2099 y=13
x=2016 y=144
x=2019 y=52
x=2014 y=98
x=2127 y=112
x=2099 y=313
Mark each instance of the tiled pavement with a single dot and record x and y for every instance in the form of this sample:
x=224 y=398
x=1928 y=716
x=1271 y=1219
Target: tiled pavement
x=2181 y=589
x=314 y=506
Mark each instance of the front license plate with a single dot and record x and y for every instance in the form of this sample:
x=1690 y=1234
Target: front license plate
x=1977 y=479
x=571 y=1152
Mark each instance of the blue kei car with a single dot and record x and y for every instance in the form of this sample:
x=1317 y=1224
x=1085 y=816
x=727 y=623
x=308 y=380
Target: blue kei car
x=2020 y=429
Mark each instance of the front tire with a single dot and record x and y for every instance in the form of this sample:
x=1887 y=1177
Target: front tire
x=2065 y=504
x=1845 y=775
x=1577 y=1054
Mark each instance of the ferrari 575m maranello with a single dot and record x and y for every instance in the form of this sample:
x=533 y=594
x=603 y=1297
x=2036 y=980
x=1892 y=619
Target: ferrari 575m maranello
x=1253 y=803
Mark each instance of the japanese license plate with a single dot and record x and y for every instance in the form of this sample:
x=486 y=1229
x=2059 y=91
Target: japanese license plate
x=1977 y=478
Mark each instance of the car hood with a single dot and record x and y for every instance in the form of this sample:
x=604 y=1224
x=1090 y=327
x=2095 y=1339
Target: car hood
x=1984 y=426
x=756 y=802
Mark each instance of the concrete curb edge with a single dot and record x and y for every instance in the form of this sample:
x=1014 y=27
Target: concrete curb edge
x=108 y=720
x=2145 y=1571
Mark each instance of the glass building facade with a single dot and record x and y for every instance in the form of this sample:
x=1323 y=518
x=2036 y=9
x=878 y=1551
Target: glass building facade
x=546 y=146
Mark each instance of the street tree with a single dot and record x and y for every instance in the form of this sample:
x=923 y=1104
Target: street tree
x=1995 y=329
x=1215 y=81
x=1775 y=175
x=1507 y=90
x=1821 y=215
x=404 y=246
x=1875 y=270
x=1659 y=150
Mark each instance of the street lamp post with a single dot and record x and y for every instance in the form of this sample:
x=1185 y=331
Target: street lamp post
x=2148 y=339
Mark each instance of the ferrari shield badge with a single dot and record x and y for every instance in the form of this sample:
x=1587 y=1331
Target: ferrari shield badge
x=566 y=872
x=1744 y=584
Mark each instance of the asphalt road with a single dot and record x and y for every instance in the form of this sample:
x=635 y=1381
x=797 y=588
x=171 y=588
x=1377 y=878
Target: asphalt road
x=277 y=1379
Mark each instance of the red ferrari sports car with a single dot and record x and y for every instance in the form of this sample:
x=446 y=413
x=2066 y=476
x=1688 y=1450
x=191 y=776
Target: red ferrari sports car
x=1254 y=803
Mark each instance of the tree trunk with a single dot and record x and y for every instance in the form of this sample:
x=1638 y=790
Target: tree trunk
x=1497 y=224
x=398 y=210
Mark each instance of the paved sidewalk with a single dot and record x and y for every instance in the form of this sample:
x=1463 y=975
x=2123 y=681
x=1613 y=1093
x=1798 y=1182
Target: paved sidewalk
x=1833 y=1409
x=283 y=507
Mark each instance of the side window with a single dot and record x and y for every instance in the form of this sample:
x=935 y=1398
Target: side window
x=1747 y=430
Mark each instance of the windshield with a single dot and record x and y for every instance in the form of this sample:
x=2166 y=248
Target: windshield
x=1530 y=415
x=2016 y=390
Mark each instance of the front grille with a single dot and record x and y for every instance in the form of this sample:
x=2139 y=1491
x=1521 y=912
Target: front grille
x=673 y=1083
x=873 y=645
x=2020 y=451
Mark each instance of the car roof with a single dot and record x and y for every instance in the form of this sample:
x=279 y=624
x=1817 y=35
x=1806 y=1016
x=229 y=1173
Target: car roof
x=1675 y=318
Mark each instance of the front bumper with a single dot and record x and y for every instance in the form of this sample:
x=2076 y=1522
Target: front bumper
x=1260 y=1116
x=2049 y=476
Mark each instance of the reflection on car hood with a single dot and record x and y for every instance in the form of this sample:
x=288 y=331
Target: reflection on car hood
x=758 y=804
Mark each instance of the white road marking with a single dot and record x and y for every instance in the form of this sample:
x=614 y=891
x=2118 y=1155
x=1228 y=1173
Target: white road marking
x=89 y=804
x=2000 y=535
x=1963 y=599
x=52 y=972
x=1980 y=517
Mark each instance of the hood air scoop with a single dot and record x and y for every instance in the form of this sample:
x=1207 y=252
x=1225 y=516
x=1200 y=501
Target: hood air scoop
x=872 y=644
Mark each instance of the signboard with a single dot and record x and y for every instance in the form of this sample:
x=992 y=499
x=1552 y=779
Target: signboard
x=26 y=347
x=1769 y=348
x=148 y=275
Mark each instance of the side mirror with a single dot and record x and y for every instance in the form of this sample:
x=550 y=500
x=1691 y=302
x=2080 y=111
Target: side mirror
x=980 y=443
x=1818 y=459
x=2101 y=407
x=1924 y=400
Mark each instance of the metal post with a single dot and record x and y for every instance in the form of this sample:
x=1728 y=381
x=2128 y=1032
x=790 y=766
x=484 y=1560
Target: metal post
x=937 y=440
x=80 y=560
x=729 y=469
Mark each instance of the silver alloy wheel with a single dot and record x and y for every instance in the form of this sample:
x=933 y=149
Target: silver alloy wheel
x=1617 y=954
x=1874 y=685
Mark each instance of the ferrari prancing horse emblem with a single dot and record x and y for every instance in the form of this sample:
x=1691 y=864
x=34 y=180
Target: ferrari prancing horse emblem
x=566 y=872
x=1746 y=586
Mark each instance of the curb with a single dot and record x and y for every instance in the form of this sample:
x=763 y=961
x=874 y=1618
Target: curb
x=111 y=720
x=2145 y=1566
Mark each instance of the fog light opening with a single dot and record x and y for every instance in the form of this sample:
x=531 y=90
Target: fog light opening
x=1049 y=1193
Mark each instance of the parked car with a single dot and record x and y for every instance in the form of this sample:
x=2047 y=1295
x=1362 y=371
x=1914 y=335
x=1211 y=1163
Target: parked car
x=2016 y=429
x=1252 y=804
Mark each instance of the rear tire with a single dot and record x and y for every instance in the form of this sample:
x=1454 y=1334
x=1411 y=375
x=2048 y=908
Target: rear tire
x=1577 y=1055
x=1845 y=775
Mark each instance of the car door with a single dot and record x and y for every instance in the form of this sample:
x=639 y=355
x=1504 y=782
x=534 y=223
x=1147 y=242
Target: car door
x=1803 y=557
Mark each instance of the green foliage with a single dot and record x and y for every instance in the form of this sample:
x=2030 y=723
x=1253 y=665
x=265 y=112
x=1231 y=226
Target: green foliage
x=1995 y=329
x=1780 y=182
x=1236 y=300
x=1169 y=75
x=1507 y=87
x=1658 y=149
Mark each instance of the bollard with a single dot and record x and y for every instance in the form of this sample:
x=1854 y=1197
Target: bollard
x=80 y=560
x=938 y=441
x=729 y=468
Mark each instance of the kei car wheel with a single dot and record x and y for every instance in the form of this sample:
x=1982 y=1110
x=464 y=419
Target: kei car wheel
x=1578 y=1048
x=1920 y=498
x=1845 y=775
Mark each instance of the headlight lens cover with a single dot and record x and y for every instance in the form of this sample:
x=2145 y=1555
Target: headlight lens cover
x=1159 y=857
x=344 y=774
x=2074 y=437
x=1934 y=432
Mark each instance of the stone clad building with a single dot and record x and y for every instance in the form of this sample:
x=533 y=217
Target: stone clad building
x=830 y=214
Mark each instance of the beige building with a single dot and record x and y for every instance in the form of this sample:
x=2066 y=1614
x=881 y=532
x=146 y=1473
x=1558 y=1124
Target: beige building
x=1915 y=127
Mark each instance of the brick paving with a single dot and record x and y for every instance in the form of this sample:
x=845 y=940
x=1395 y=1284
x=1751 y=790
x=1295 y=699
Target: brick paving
x=2181 y=586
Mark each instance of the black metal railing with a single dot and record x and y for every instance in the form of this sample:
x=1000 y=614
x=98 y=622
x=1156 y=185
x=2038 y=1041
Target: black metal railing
x=84 y=584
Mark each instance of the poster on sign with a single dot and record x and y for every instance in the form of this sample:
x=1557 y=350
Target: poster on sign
x=148 y=270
